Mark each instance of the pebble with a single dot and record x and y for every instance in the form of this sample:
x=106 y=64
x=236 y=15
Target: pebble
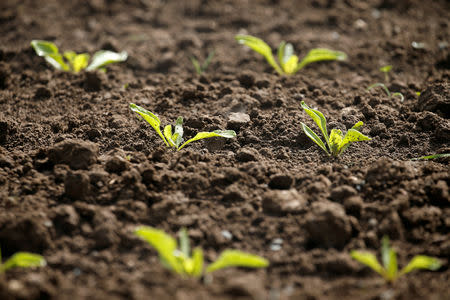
x=283 y=201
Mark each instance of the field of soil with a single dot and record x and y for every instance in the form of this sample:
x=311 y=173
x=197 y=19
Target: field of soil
x=79 y=170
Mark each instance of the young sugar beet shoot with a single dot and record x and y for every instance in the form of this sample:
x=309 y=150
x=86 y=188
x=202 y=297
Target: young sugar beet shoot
x=187 y=263
x=73 y=62
x=288 y=62
x=389 y=270
x=21 y=260
x=175 y=139
x=337 y=142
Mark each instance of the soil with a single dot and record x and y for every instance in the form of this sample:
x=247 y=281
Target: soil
x=79 y=171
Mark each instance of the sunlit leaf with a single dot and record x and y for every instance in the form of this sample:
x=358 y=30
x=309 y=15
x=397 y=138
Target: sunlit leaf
x=178 y=135
x=335 y=140
x=422 y=262
x=235 y=258
x=313 y=136
x=434 y=156
x=367 y=259
x=163 y=243
x=80 y=62
x=352 y=136
x=321 y=54
x=290 y=65
x=197 y=258
x=319 y=119
x=386 y=69
x=208 y=60
x=168 y=135
x=104 y=57
x=204 y=135
x=151 y=118
x=44 y=48
x=57 y=61
x=389 y=258
x=184 y=242
x=70 y=55
x=196 y=65
x=23 y=260
x=260 y=47
x=382 y=85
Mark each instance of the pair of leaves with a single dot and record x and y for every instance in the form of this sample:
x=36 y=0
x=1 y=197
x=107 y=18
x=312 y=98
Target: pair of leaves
x=174 y=140
x=389 y=269
x=201 y=68
x=337 y=142
x=287 y=60
x=182 y=262
x=22 y=260
x=71 y=61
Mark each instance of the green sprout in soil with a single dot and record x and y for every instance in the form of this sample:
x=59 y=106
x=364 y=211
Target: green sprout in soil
x=386 y=70
x=389 y=270
x=175 y=139
x=21 y=260
x=190 y=264
x=388 y=93
x=337 y=142
x=288 y=61
x=73 y=62
x=201 y=68
x=433 y=156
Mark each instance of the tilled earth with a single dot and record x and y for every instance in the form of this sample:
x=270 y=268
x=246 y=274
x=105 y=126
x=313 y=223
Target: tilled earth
x=79 y=171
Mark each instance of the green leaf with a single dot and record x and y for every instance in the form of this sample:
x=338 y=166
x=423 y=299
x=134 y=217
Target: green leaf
x=368 y=259
x=358 y=125
x=178 y=135
x=320 y=120
x=196 y=65
x=352 y=136
x=291 y=64
x=321 y=54
x=235 y=258
x=313 y=136
x=184 y=242
x=80 y=62
x=197 y=258
x=386 y=69
x=168 y=135
x=398 y=94
x=432 y=156
x=260 y=47
x=281 y=52
x=152 y=119
x=70 y=56
x=389 y=258
x=422 y=262
x=164 y=244
x=57 y=62
x=23 y=260
x=335 y=141
x=104 y=57
x=44 y=48
x=208 y=60
x=382 y=85
x=216 y=133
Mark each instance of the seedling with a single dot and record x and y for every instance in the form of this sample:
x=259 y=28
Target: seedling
x=337 y=142
x=182 y=261
x=386 y=70
x=288 y=62
x=22 y=260
x=73 y=62
x=434 y=156
x=175 y=139
x=389 y=269
x=389 y=94
x=201 y=68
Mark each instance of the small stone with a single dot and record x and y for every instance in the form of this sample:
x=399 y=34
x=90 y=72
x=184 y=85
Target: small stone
x=237 y=120
x=281 y=182
x=76 y=185
x=340 y=193
x=77 y=154
x=104 y=236
x=280 y=202
x=246 y=155
x=328 y=226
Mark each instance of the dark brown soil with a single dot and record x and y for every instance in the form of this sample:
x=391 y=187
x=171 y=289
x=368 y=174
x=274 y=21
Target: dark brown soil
x=68 y=191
